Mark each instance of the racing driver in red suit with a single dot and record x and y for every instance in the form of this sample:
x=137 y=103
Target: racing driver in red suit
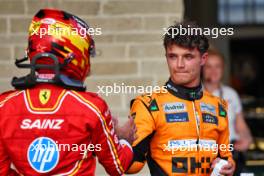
x=49 y=125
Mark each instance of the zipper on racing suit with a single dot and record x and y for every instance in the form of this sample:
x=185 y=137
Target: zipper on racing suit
x=198 y=128
x=197 y=122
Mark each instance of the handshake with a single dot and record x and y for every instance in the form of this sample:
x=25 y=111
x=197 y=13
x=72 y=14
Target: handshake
x=126 y=131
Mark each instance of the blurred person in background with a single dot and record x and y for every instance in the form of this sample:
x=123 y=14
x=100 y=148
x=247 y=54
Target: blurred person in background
x=240 y=135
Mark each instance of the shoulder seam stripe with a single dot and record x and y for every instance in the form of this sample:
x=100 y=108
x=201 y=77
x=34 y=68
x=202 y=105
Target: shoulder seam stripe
x=105 y=128
x=9 y=97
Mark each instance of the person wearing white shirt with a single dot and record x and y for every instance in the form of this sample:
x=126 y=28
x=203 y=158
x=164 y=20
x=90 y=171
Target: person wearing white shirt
x=239 y=132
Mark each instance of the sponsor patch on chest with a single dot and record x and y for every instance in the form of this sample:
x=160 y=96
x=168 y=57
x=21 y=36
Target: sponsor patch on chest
x=208 y=108
x=174 y=107
x=208 y=118
x=177 y=117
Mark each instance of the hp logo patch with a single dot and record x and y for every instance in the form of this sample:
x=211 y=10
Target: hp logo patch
x=43 y=154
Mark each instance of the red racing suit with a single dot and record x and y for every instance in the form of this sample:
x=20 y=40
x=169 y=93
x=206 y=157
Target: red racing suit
x=49 y=130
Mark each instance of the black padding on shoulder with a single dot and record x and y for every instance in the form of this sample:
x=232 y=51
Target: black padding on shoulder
x=131 y=102
x=141 y=149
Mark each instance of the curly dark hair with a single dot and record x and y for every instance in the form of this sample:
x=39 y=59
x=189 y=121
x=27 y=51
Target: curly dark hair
x=191 y=41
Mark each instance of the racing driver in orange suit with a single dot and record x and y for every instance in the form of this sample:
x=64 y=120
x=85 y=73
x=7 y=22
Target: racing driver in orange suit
x=183 y=130
x=49 y=125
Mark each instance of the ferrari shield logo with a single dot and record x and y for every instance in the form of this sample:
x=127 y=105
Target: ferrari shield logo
x=44 y=96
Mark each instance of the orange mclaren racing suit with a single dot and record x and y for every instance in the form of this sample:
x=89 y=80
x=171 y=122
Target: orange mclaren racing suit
x=180 y=131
